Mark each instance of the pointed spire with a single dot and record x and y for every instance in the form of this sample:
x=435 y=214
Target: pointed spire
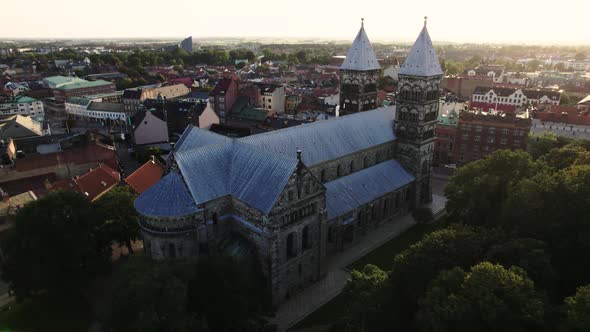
x=361 y=55
x=422 y=59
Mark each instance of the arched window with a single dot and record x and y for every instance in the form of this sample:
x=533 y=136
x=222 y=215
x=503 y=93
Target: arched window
x=214 y=218
x=291 y=251
x=365 y=162
x=351 y=166
x=397 y=200
x=339 y=171
x=378 y=156
x=407 y=194
x=305 y=243
x=323 y=175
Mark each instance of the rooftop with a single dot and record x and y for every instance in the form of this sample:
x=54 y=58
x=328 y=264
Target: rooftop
x=146 y=176
x=361 y=55
x=422 y=59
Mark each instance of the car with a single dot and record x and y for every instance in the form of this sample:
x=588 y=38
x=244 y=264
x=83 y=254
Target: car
x=451 y=166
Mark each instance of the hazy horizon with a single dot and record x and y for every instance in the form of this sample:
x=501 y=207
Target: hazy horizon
x=459 y=21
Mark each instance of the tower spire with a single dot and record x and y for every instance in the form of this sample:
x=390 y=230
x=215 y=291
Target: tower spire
x=362 y=22
x=425 y=20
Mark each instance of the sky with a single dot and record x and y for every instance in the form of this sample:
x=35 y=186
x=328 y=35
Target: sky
x=498 y=21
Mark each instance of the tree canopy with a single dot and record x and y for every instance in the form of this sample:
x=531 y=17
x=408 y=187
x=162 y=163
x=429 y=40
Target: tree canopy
x=59 y=243
x=487 y=298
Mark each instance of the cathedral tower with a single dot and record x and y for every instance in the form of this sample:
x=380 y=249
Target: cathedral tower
x=359 y=75
x=417 y=112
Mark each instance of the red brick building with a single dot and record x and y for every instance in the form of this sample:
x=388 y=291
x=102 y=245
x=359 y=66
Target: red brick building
x=224 y=96
x=480 y=133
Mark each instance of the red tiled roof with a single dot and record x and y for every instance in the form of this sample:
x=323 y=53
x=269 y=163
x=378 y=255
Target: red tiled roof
x=563 y=114
x=498 y=107
x=97 y=181
x=85 y=155
x=146 y=176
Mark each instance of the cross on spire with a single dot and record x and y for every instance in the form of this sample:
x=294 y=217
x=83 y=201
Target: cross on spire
x=425 y=19
x=362 y=22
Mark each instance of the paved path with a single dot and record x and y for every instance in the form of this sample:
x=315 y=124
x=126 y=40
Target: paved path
x=313 y=297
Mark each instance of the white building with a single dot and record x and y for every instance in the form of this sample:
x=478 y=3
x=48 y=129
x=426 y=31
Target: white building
x=272 y=98
x=88 y=109
x=25 y=106
x=514 y=97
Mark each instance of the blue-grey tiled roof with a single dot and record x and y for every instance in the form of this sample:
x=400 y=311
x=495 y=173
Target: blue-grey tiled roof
x=193 y=138
x=245 y=172
x=330 y=139
x=359 y=188
x=167 y=198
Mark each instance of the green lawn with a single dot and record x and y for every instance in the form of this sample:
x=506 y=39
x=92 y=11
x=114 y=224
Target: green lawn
x=46 y=314
x=381 y=256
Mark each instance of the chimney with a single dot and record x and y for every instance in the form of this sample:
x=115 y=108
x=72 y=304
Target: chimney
x=153 y=159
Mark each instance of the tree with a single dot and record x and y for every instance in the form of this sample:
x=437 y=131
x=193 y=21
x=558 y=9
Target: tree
x=116 y=209
x=478 y=190
x=553 y=207
x=151 y=296
x=58 y=245
x=488 y=298
x=567 y=156
x=577 y=310
x=416 y=266
x=227 y=293
x=540 y=145
x=580 y=56
x=366 y=290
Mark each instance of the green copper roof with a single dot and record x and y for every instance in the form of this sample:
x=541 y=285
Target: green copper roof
x=25 y=100
x=84 y=84
x=449 y=118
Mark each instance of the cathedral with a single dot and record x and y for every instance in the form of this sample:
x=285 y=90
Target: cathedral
x=290 y=198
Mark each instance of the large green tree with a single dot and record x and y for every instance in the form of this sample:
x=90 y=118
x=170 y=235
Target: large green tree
x=151 y=296
x=116 y=209
x=478 y=190
x=487 y=298
x=58 y=245
x=577 y=310
x=366 y=289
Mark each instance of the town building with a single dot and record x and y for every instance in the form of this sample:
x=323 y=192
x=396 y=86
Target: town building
x=495 y=72
x=18 y=126
x=108 y=113
x=97 y=181
x=64 y=87
x=509 y=99
x=272 y=98
x=149 y=128
x=23 y=105
x=463 y=86
x=291 y=197
x=223 y=97
x=446 y=133
x=480 y=133
x=187 y=44
x=566 y=121
x=359 y=76
x=146 y=176
x=133 y=98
